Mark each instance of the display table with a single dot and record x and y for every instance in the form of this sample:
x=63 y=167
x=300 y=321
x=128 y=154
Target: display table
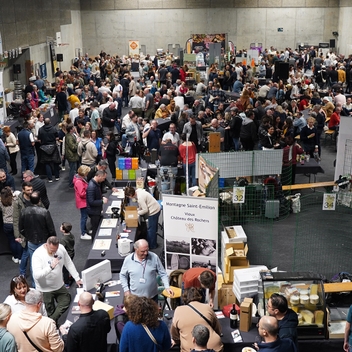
x=112 y=253
x=113 y=301
x=309 y=168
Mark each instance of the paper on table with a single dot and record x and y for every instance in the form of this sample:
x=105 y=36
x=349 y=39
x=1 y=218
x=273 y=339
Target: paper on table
x=112 y=294
x=119 y=194
x=105 y=232
x=102 y=244
x=116 y=203
x=109 y=223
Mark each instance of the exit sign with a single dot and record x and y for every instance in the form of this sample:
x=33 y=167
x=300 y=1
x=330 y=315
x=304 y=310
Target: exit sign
x=280 y=29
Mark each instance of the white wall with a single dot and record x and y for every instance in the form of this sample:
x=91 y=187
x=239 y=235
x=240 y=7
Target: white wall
x=111 y=30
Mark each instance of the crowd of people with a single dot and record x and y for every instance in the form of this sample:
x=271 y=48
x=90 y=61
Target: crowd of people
x=258 y=114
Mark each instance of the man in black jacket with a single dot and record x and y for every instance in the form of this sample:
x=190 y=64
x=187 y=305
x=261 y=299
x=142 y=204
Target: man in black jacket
x=235 y=128
x=48 y=136
x=89 y=332
x=109 y=118
x=38 y=186
x=36 y=224
x=95 y=200
x=61 y=101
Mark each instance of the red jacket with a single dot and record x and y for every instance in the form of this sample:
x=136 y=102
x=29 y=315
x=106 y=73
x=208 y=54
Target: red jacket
x=334 y=120
x=81 y=186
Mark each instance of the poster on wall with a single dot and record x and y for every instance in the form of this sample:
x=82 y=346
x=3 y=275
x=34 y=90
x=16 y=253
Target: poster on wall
x=202 y=41
x=133 y=47
x=329 y=201
x=190 y=233
x=53 y=57
x=43 y=73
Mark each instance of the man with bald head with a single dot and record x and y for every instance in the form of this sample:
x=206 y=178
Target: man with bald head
x=89 y=332
x=268 y=328
x=139 y=270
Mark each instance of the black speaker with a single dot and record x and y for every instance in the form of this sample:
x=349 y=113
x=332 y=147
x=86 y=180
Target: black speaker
x=59 y=57
x=284 y=68
x=16 y=69
x=332 y=43
x=277 y=64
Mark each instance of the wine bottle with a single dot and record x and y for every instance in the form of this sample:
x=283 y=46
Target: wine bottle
x=233 y=318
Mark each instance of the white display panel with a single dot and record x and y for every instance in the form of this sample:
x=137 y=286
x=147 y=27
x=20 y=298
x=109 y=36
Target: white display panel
x=97 y=273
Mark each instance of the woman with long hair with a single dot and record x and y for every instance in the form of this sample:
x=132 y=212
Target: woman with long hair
x=144 y=328
x=6 y=205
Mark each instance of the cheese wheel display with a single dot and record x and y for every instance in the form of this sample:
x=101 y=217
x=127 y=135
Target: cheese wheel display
x=304 y=299
x=307 y=316
x=294 y=300
x=314 y=299
x=319 y=317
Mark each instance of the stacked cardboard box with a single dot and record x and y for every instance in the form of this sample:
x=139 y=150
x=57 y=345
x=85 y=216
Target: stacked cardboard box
x=233 y=251
x=246 y=281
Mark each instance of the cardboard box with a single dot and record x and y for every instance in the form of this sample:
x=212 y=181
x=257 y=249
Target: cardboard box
x=198 y=193
x=131 y=216
x=236 y=263
x=235 y=234
x=246 y=314
x=101 y=305
x=226 y=296
x=237 y=250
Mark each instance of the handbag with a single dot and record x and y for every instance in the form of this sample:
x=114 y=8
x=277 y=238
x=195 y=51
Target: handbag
x=48 y=149
x=151 y=336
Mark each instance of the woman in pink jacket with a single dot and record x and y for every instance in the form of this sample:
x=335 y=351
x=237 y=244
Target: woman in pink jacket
x=80 y=183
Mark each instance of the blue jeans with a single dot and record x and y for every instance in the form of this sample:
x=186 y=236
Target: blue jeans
x=152 y=229
x=236 y=144
x=124 y=141
x=84 y=217
x=191 y=174
x=15 y=247
x=73 y=170
x=49 y=172
x=173 y=170
x=27 y=162
x=31 y=248
x=24 y=259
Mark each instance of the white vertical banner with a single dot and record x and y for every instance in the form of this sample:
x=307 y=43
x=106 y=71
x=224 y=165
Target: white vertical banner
x=190 y=233
x=2 y=98
x=133 y=47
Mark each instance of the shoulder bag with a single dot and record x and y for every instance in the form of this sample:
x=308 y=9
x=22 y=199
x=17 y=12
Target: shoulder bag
x=151 y=336
x=204 y=317
x=31 y=342
x=48 y=149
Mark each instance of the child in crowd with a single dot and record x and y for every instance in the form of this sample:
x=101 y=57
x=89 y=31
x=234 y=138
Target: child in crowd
x=68 y=241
